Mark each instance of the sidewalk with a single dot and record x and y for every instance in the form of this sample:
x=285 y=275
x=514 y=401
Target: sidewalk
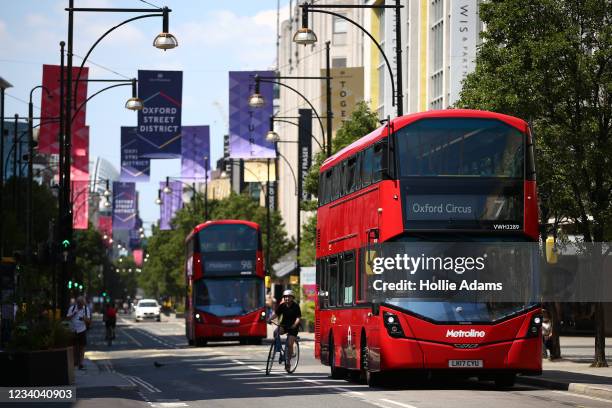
x=94 y=377
x=573 y=372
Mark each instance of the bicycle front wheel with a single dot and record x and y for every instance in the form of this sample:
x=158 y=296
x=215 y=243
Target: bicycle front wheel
x=295 y=359
x=270 y=362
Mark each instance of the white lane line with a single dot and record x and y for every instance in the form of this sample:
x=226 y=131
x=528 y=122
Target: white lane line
x=150 y=387
x=139 y=344
x=255 y=368
x=573 y=394
x=400 y=404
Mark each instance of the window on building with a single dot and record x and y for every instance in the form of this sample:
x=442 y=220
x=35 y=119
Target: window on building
x=436 y=83
x=339 y=62
x=340 y=31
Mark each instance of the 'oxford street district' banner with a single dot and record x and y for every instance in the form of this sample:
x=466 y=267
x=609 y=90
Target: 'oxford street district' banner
x=124 y=205
x=133 y=168
x=248 y=126
x=159 y=123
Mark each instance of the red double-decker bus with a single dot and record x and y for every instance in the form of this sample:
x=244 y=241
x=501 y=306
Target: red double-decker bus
x=438 y=176
x=224 y=272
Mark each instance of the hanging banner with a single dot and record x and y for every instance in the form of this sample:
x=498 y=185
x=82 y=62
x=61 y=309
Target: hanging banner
x=464 y=31
x=171 y=203
x=138 y=257
x=124 y=205
x=79 y=166
x=133 y=167
x=50 y=108
x=105 y=225
x=80 y=203
x=159 y=123
x=346 y=90
x=195 y=153
x=134 y=235
x=304 y=150
x=248 y=126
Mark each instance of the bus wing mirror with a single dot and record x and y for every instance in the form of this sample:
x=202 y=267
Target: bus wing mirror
x=375 y=309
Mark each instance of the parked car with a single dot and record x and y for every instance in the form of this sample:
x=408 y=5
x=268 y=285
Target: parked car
x=147 y=309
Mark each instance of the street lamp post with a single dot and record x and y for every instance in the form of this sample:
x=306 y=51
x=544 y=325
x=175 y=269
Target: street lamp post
x=163 y=41
x=257 y=100
x=3 y=86
x=306 y=36
x=31 y=170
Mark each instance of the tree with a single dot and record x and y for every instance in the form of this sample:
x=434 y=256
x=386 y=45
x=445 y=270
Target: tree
x=91 y=259
x=361 y=122
x=163 y=272
x=550 y=62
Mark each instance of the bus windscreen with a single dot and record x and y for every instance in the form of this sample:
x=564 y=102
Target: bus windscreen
x=451 y=147
x=227 y=238
x=228 y=296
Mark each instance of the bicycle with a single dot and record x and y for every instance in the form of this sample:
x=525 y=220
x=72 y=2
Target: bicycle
x=110 y=334
x=280 y=347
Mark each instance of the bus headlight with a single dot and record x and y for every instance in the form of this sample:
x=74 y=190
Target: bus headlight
x=392 y=324
x=262 y=316
x=534 y=326
x=199 y=318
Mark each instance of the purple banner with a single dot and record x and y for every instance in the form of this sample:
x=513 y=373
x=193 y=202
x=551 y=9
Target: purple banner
x=171 y=203
x=159 y=123
x=133 y=168
x=248 y=126
x=195 y=156
x=134 y=234
x=124 y=205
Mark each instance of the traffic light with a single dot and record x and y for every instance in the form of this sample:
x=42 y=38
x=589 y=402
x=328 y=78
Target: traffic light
x=104 y=294
x=65 y=244
x=80 y=287
x=69 y=284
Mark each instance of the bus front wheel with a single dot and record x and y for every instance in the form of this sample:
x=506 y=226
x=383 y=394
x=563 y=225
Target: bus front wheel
x=337 y=373
x=505 y=380
x=371 y=378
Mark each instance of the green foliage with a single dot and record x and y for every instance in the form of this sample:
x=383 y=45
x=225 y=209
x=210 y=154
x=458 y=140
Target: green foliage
x=549 y=62
x=308 y=311
x=91 y=259
x=34 y=329
x=163 y=273
x=361 y=122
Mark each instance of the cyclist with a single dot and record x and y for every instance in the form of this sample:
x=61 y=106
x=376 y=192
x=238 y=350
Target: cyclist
x=289 y=314
x=110 y=320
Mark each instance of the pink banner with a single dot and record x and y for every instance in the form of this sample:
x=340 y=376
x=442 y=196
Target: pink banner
x=80 y=204
x=79 y=170
x=138 y=257
x=50 y=109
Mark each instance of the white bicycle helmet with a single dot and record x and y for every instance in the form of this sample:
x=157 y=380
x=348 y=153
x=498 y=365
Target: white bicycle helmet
x=288 y=292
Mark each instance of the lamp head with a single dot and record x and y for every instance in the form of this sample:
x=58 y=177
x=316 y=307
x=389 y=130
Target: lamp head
x=134 y=104
x=165 y=40
x=272 y=136
x=256 y=100
x=305 y=36
x=158 y=201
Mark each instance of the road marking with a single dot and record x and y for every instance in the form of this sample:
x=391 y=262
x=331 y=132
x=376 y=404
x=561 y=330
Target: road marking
x=255 y=368
x=148 y=386
x=398 y=403
x=139 y=344
x=573 y=394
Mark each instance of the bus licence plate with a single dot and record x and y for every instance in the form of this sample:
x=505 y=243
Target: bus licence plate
x=465 y=363
x=231 y=334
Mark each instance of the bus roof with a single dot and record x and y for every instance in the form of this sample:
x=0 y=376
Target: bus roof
x=405 y=120
x=206 y=224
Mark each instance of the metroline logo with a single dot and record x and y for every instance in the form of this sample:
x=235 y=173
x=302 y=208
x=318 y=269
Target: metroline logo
x=465 y=333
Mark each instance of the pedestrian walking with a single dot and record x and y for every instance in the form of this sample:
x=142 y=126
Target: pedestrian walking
x=80 y=320
x=547 y=332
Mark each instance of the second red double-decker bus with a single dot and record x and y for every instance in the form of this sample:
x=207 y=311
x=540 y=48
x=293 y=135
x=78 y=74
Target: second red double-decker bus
x=458 y=176
x=224 y=272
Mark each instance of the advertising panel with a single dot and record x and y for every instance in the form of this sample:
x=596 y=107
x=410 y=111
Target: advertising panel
x=133 y=167
x=195 y=156
x=50 y=109
x=248 y=126
x=124 y=205
x=159 y=123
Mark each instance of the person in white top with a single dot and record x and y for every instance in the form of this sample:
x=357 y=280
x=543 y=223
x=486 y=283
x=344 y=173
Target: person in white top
x=80 y=318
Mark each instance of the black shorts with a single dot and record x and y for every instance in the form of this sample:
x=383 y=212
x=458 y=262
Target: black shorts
x=81 y=338
x=111 y=322
x=289 y=330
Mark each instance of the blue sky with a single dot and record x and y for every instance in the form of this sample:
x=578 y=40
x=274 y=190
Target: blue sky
x=214 y=38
